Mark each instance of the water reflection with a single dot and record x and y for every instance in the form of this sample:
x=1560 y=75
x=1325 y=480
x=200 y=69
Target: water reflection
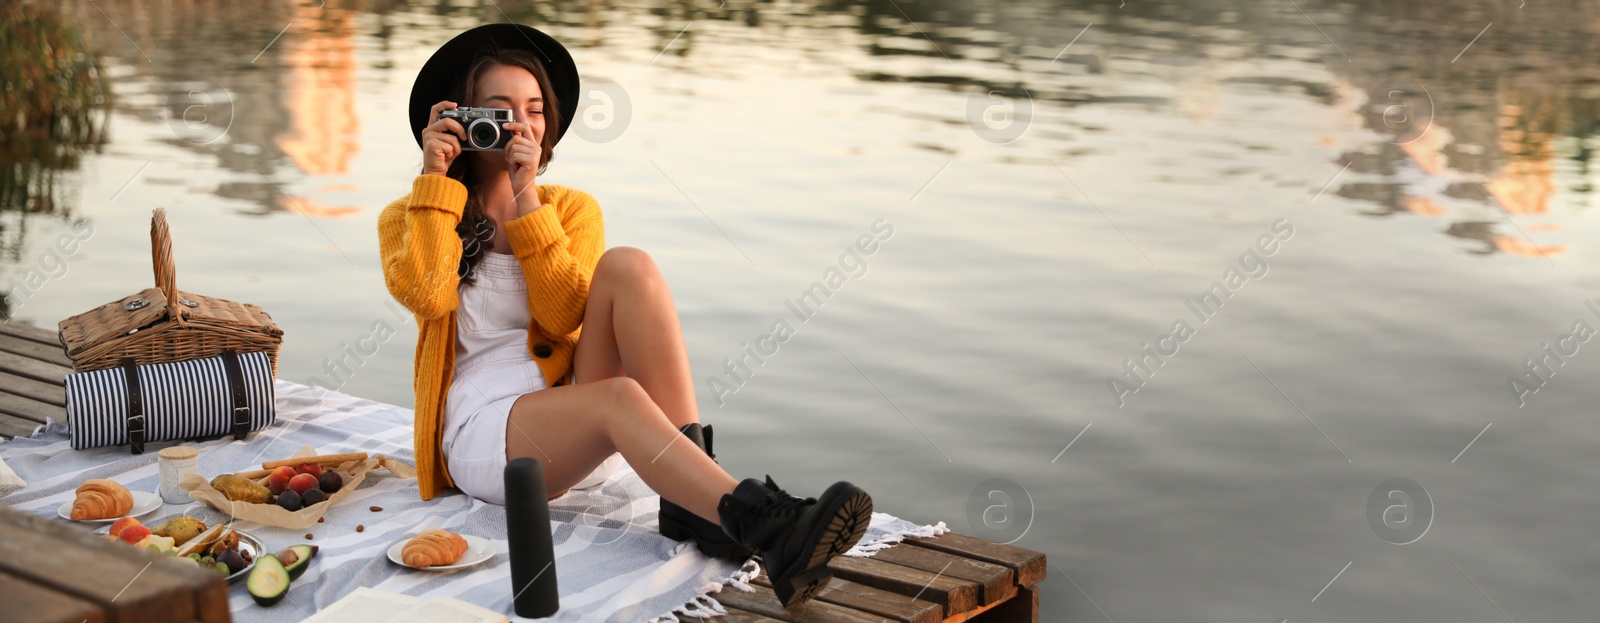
x=1490 y=158
x=1485 y=158
x=1501 y=132
x=56 y=100
x=318 y=83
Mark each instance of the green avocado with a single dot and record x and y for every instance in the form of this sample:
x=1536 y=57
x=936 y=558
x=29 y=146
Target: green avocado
x=295 y=558
x=268 y=581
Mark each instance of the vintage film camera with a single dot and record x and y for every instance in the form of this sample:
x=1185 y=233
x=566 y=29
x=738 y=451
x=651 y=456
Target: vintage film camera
x=482 y=125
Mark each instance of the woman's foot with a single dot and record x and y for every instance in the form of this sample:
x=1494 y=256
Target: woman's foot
x=678 y=524
x=795 y=537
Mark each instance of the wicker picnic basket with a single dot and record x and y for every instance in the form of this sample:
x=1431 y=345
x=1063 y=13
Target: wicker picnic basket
x=164 y=325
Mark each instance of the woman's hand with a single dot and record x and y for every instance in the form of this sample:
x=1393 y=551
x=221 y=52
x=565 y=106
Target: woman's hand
x=522 y=162
x=441 y=140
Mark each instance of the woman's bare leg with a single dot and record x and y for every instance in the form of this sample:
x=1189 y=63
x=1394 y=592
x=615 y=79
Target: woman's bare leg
x=631 y=328
x=571 y=429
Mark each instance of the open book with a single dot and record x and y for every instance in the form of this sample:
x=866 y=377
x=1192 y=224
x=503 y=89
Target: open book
x=374 y=606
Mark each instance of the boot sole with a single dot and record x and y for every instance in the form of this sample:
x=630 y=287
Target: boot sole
x=850 y=511
x=679 y=531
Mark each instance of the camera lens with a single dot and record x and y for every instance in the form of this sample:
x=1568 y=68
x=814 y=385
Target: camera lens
x=483 y=134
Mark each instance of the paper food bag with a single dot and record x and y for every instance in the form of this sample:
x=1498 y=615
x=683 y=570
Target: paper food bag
x=353 y=472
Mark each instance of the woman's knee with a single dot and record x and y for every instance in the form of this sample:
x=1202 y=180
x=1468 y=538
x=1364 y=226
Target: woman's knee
x=628 y=264
x=628 y=404
x=625 y=395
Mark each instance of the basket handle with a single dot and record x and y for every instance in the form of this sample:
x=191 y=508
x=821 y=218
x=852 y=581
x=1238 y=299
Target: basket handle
x=161 y=252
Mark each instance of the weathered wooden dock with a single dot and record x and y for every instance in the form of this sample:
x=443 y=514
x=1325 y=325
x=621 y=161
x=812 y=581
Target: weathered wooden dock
x=949 y=578
x=945 y=579
x=33 y=372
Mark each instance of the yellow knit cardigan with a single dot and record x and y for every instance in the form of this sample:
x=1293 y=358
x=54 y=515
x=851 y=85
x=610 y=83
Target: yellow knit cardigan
x=557 y=246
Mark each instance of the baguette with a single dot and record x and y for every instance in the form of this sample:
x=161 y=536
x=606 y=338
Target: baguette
x=321 y=459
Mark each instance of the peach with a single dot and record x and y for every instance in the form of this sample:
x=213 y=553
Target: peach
x=302 y=483
x=134 y=534
x=279 y=479
x=118 y=525
x=310 y=468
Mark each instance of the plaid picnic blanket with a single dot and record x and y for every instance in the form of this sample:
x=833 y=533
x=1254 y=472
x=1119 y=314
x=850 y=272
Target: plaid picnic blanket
x=612 y=564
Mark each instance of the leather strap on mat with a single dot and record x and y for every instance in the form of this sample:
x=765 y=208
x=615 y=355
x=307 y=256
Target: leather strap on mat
x=241 y=403
x=135 y=406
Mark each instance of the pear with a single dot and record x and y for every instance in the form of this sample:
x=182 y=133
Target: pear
x=180 y=529
x=241 y=489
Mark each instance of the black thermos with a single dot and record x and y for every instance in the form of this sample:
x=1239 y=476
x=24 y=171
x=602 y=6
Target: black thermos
x=533 y=558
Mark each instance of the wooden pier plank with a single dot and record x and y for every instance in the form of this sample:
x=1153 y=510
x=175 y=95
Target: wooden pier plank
x=33 y=371
x=32 y=349
x=1029 y=565
x=996 y=583
x=33 y=368
x=11 y=426
x=954 y=594
x=48 y=393
x=29 y=409
x=47 y=337
x=1024 y=608
x=765 y=603
x=893 y=606
x=736 y=615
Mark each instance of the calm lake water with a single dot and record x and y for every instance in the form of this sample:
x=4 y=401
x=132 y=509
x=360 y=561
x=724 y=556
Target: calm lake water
x=1403 y=193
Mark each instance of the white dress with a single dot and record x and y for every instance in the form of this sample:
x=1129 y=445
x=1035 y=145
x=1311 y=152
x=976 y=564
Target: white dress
x=493 y=369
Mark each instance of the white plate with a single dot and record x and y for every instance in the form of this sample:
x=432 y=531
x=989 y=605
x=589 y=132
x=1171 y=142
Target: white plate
x=478 y=550
x=143 y=504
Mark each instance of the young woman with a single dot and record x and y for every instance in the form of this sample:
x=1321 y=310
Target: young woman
x=534 y=343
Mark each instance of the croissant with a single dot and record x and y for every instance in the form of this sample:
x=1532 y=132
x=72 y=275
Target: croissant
x=99 y=498
x=433 y=548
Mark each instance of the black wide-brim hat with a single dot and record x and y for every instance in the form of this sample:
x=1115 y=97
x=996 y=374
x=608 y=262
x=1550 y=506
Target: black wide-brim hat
x=442 y=71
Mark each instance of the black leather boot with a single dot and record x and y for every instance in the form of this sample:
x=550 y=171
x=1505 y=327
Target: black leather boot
x=678 y=524
x=795 y=537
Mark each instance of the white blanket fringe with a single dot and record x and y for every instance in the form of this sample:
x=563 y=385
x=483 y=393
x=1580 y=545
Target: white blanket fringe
x=895 y=530
x=703 y=605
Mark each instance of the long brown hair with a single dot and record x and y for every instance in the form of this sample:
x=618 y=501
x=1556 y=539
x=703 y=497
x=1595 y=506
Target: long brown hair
x=477 y=230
